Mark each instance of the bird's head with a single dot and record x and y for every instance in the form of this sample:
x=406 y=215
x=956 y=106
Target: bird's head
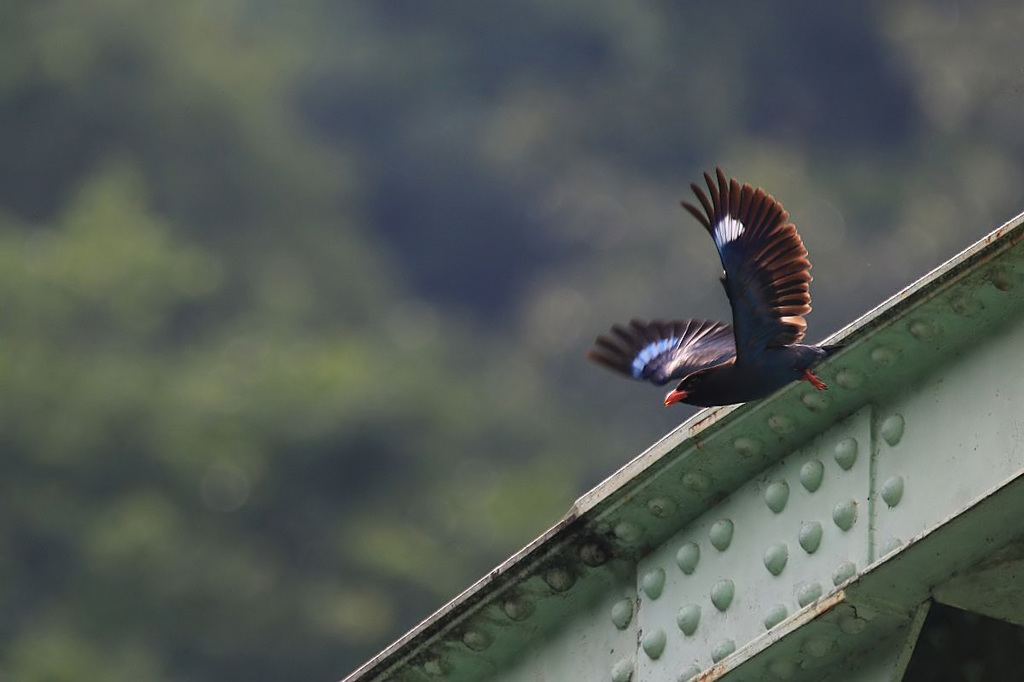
x=686 y=388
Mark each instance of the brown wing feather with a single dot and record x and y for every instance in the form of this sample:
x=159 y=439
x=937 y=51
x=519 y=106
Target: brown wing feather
x=766 y=265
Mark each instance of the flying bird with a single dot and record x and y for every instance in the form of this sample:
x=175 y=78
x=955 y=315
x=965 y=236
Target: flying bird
x=766 y=276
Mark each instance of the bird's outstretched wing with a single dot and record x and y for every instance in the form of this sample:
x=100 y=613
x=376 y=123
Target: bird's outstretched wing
x=660 y=351
x=765 y=263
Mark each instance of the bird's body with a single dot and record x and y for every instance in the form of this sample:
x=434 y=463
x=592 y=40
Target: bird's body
x=766 y=273
x=737 y=382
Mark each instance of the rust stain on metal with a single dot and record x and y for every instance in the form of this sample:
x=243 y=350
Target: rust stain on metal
x=706 y=421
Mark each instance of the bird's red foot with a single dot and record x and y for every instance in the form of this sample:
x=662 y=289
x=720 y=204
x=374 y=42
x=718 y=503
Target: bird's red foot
x=813 y=380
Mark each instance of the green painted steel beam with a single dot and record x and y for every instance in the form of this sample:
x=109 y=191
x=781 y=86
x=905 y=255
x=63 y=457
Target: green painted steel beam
x=783 y=539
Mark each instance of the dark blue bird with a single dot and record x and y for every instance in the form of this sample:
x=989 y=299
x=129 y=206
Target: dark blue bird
x=766 y=273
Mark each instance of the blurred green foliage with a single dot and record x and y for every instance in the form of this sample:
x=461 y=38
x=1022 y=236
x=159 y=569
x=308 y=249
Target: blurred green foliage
x=293 y=298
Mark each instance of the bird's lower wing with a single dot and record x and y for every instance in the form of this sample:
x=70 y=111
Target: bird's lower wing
x=661 y=351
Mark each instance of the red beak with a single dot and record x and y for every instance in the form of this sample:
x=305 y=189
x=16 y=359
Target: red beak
x=675 y=396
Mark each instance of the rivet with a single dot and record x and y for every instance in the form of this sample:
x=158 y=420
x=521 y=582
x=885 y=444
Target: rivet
x=851 y=625
x=695 y=481
x=559 y=579
x=892 y=429
x=654 y=643
x=518 y=608
x=782 y=668
x=810 y=536
x=846 y=453
x=688 y=618
x=622 y=613
x=687 y=557
x=891 y=545
x=477 y=640
x=661 y=507
x=1001 y=279
x=844 y=514
x=622 y=671
x=722 y=650
x=653 y=582
x=815 y=401
x=721 y=534
x=892 y=490
x=775 y=558
x=817 y=646
x=866 y=613
x=922 y=330
x=722 y=593
x=849 y=378
x=883 y=355
x=811 y=475
x=747 y=447
x=689 y=673
x=628 y=531
x=436 y=667
x=776 y=495
x=843 y=572
x=807 y=592
x=775 y=615
x=781 y=424
x=593 y=554
x=964 y=305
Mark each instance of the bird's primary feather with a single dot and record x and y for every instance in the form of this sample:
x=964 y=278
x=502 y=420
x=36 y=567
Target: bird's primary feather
x=765 y=262
x=660 y=351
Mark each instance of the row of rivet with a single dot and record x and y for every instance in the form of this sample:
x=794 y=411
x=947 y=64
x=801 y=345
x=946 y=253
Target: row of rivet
x=722 y=594
x=688 y=617
x=518 y=608
x=653 y=644
x=844 y=515
x=811 y=475
x=921 y=329
x=845 y=455
x=891 y=491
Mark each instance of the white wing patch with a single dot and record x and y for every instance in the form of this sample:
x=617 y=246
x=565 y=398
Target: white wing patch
x=649 y=352
x=728 y=229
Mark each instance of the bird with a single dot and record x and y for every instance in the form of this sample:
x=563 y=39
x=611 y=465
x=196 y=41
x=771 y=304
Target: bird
x=766 y=274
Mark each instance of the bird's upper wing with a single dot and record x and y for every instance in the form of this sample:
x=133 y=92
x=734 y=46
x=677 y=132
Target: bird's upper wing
x=660 y=351
x=765 y=263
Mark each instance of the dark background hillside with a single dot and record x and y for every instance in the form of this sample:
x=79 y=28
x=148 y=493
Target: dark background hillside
x=294 y=296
